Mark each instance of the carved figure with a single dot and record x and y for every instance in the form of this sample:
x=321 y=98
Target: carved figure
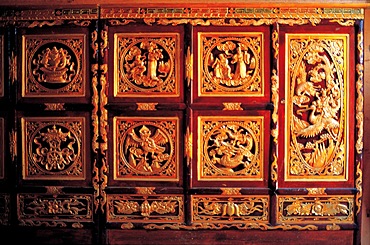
x=146 y=152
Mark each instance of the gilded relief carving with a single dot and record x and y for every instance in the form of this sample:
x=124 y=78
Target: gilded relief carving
x=53 y=149
x=146 y=208
x=295 y=14
x=53 y=210
x=53 y=65
x=323 y=209
x=231 y=148
x=146 y=149
x=230 y=63
x=211 y=209
x=316 y=110
x=147 y=66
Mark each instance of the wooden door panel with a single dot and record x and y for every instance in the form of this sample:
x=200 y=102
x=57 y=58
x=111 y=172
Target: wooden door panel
x=319 y=97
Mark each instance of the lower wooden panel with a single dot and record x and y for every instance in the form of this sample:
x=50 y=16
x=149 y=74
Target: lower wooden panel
x=29 y=235
x=343 y=237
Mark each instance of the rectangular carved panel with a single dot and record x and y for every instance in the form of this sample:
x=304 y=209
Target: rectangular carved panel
x=146 y=148
x=54 y=148
x=317 y=107
x=54 y=210
x=229 y=209
x=159 y=208
x=315 y=209
x=54 y=65
x=4 y=209
x=147 y=65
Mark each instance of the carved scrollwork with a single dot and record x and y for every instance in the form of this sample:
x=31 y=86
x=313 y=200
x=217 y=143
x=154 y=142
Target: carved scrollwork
x=42 y=210
x=329 y=209
x=152 y=208
x=229 y=209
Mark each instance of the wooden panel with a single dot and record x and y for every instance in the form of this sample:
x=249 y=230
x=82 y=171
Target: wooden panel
x=229 y=237
x=54 y=65
x=319 y=99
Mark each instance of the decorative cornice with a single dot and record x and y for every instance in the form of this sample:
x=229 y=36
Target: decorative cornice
x=151 y=13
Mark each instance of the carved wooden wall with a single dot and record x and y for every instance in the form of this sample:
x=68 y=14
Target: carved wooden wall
x=116 y=121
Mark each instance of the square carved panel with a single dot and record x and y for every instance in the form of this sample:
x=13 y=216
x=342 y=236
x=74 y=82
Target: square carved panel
x=231 y=64
x=54 y=148
x=146 y=148
x=54 y=65
x=231 y=148
x=147 y=65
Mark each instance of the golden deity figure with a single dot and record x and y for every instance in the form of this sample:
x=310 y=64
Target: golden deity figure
x=146 y=153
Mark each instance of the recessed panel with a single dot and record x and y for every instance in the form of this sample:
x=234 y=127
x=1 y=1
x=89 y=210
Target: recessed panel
x=54 y=210
x=54 y=148
x=2 y=82
x=230 y=64
x=330 y=209
x=317 y=107
x=166 y=208
x=147 y=65
x=146 y=148
x=229 y=209
x=54 y=65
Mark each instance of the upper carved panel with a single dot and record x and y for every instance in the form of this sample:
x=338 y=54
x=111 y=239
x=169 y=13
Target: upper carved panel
x=230 y=64
x=53 y=65
x=147 y=65
x=317 y=106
